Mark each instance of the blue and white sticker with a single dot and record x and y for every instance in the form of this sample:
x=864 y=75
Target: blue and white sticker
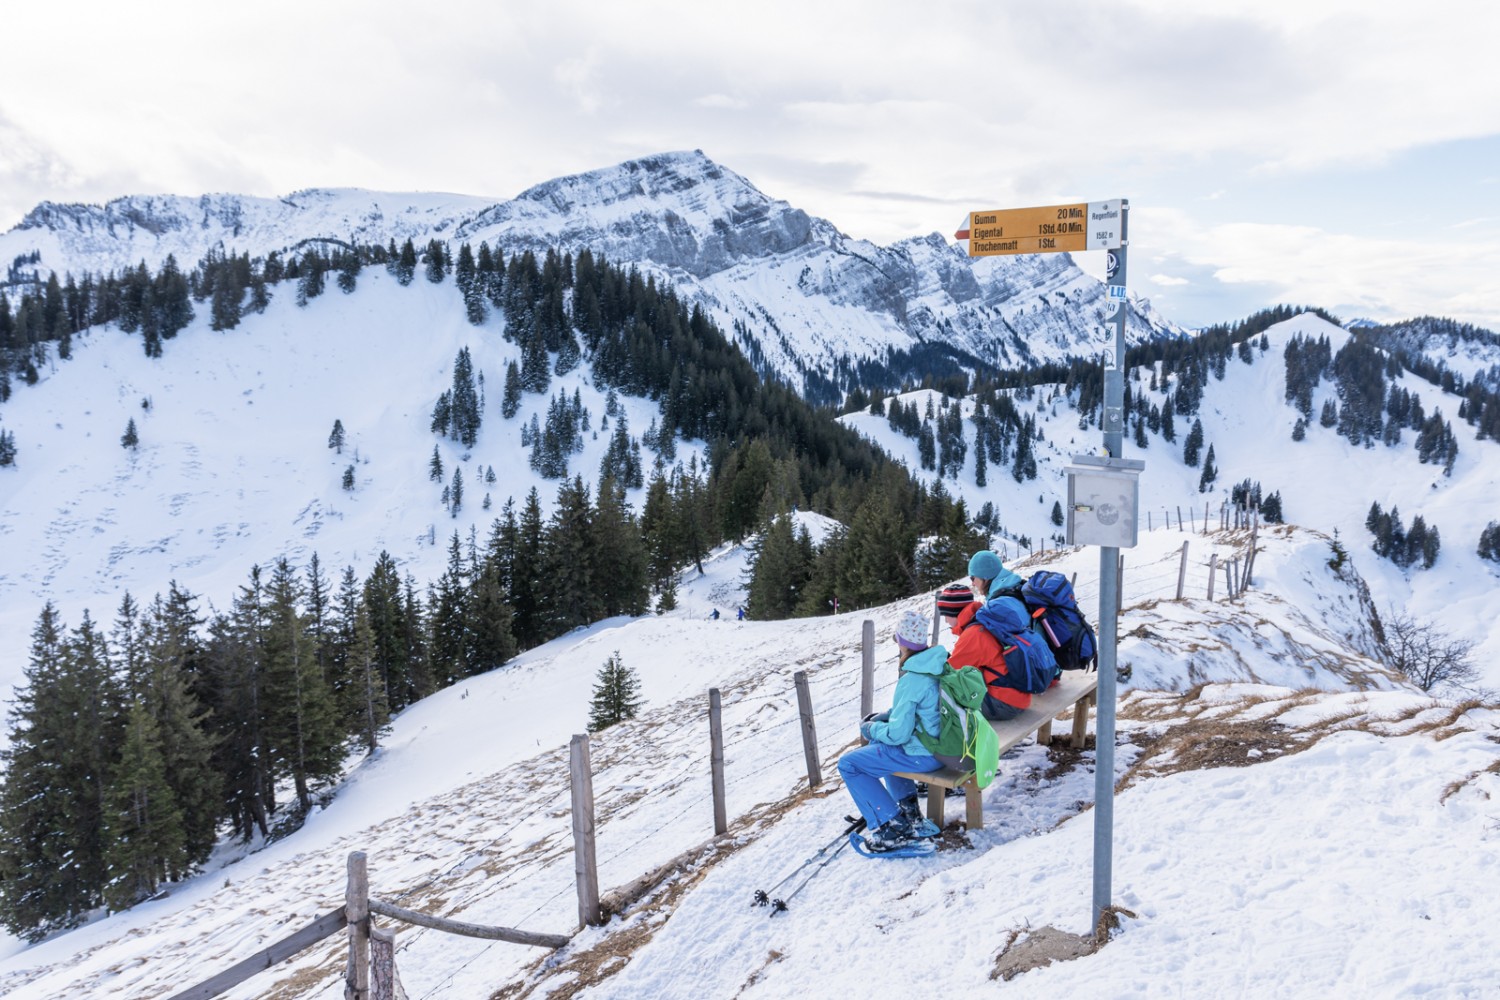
x=1117 y=291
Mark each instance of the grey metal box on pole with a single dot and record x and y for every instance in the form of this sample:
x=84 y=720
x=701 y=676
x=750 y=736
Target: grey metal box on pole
x=1104 y=501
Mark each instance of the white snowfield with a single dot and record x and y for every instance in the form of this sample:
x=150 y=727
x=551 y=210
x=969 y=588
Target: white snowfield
x=1292 y=822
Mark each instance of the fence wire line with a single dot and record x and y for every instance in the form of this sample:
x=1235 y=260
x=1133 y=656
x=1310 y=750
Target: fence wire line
x=542 y=864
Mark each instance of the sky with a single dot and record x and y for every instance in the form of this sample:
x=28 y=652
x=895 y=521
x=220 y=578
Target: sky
x=1328 y=152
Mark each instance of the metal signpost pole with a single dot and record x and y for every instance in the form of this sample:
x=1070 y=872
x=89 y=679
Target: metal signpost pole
x=1103 y=492
x=1104 y=724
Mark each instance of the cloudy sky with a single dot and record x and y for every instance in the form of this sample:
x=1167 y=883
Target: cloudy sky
x=1344 y=153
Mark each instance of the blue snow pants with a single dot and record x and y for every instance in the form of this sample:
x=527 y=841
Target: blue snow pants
x=863 y=769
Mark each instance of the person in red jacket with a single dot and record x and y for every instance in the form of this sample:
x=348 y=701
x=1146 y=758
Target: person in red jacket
x=975 y=646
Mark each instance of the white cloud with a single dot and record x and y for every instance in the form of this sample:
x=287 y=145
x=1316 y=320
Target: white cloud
x=820 y=104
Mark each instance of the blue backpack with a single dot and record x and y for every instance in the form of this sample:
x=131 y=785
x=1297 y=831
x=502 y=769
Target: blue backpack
x=1049 y=597
x=1029 y=661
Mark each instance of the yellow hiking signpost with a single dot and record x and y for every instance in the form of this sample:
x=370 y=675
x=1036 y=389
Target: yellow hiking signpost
x=1089 y=225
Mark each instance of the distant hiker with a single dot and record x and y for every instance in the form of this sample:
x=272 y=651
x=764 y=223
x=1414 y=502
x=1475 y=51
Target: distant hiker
x=715 y=615
x=740 y=616
x=889 y=808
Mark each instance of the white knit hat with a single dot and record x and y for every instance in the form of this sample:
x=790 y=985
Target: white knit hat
x=914 y=630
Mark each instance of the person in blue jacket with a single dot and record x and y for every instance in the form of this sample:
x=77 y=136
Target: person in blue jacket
x=990 y=579
x=887 y=802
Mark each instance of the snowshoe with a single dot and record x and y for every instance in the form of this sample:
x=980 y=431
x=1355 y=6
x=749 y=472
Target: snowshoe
x=911 y=849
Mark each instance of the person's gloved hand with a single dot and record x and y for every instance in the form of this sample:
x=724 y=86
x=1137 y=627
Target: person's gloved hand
x=864 y=731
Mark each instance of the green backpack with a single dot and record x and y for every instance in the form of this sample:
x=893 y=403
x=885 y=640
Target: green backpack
x=962 y=730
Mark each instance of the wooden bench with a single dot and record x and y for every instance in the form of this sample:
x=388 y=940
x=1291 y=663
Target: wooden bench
x=1076 y=690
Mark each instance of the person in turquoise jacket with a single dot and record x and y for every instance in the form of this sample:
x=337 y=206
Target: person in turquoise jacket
x=888 y=802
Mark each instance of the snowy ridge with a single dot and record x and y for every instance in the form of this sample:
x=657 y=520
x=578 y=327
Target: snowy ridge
x=803 y=294
x=1242 y=826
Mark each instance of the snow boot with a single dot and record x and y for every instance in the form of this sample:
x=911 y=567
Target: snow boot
x=892 y=835
x=921 y=826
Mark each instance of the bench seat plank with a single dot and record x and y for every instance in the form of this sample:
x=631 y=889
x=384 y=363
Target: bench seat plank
x=1076 y=690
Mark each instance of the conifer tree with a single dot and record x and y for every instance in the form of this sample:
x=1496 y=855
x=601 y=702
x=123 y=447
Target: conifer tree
x=406 y=264
x=348 y=481
x=491 y=639
x=1489 y=542
x=224 y=313
x=448 y=636
x=778 y=573
x=510 y=402
x=571 y=597
x=616 y=694
x=143 y=831
x=1210 y=471
x=7 y=448
x=1193 y=444
x=349 y=268
x=130 y=439
x=435 y=466
x=619 y=554
x=52 y=870
x=393 y=632
x=300 y=719
x=456 y=492
x=878 y=563
x=171 y=655
x=436 y=262
x=526 y=583
x=336 y=437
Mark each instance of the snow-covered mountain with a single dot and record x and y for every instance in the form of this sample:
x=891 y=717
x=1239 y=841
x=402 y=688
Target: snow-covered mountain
x=464 y=810
x=805 y=300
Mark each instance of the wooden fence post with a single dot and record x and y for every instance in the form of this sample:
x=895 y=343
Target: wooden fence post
x=1228 y=582
x=809 y=731
x=1250 y=559
x=716 y=759
x=1148 y=520
x=1179 y=518
x=384 y=982
x=1213 y=568
x=357 y=912
x=1182 y=571
x=1206 y=509
x=937 y=620
x=585 y=864
x=866 y=670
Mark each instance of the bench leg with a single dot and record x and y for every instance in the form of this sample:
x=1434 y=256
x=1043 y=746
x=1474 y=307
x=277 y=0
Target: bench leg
x=1081 y=721
x=973 y=806
x=1044 y=734
x=935 y=796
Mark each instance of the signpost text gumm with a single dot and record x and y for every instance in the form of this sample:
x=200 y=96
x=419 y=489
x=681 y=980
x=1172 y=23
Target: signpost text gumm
x=1088 y=225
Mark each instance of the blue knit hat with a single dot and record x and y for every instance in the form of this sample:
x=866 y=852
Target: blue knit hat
x=985 y=565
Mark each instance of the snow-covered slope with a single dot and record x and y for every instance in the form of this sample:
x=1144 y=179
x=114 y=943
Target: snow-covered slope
x=797 y=292
x=234 y=468
x=1325 y=482
x=1290 y=828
